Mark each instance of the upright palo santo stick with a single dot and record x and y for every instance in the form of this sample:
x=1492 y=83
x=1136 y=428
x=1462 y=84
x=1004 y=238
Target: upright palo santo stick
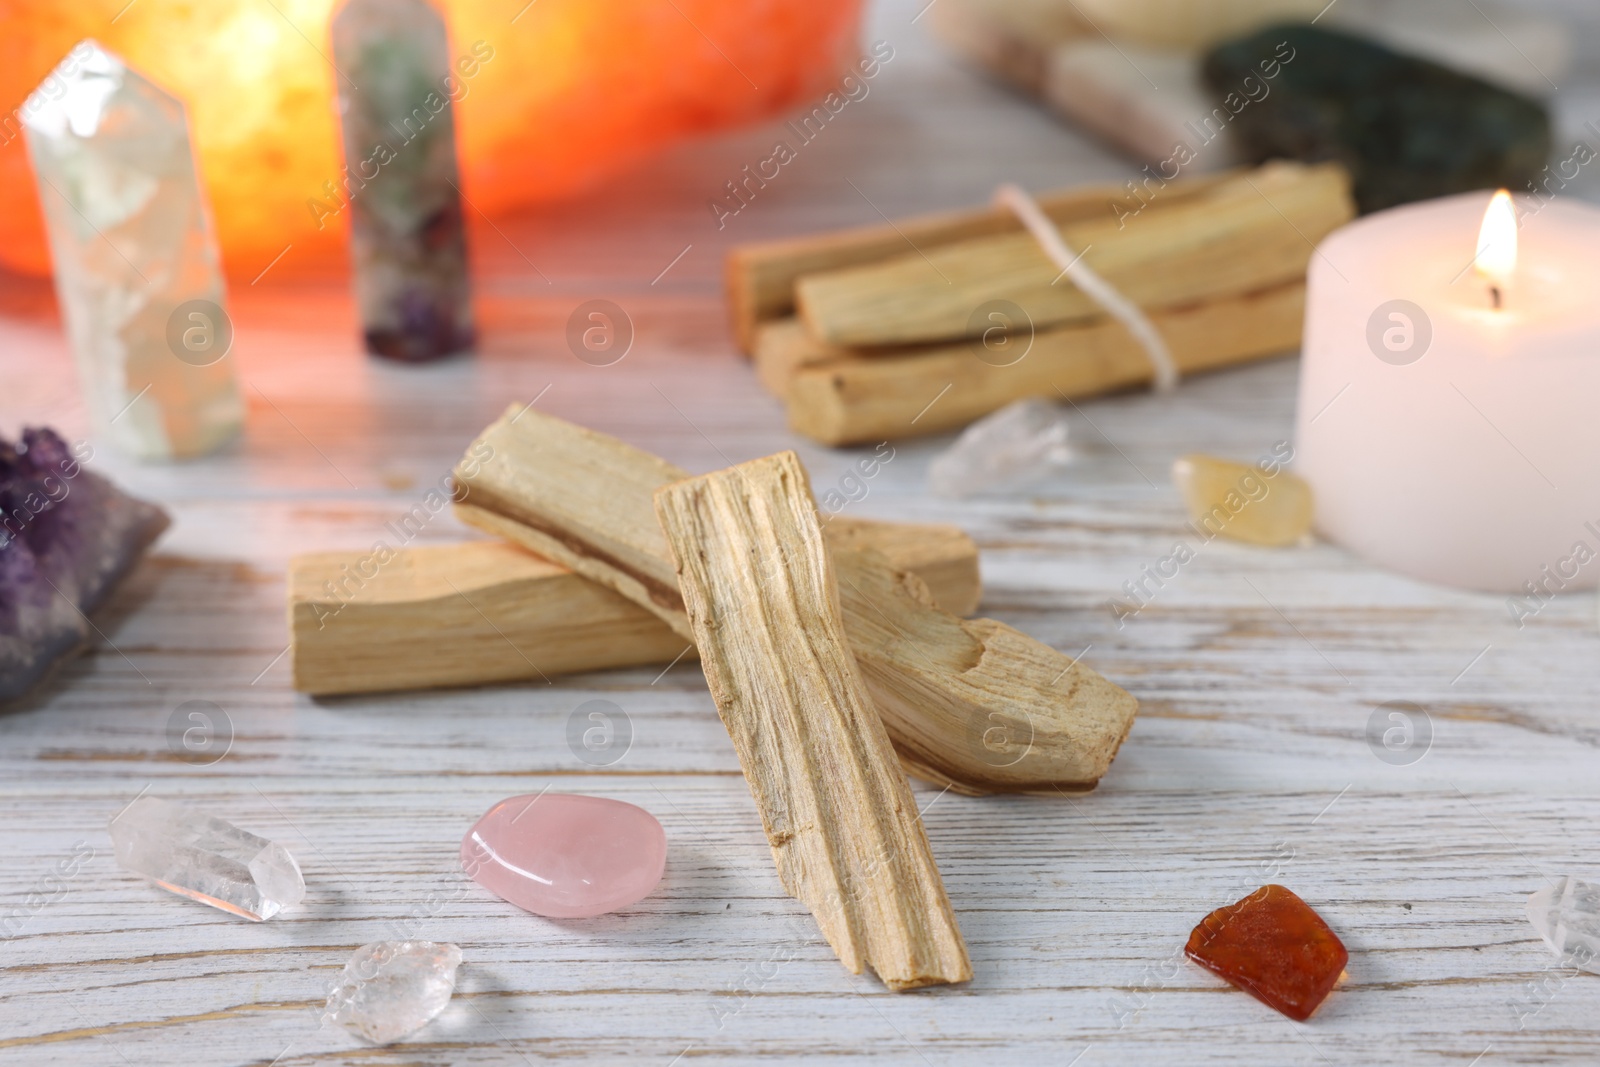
x=972 y=704
x=759 y=592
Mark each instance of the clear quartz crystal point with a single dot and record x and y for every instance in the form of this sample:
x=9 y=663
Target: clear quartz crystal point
x=407 y=237
x=1567 y=916
x=393 y=988
x=136 y=266
x=1022 y=442
x=205 y=858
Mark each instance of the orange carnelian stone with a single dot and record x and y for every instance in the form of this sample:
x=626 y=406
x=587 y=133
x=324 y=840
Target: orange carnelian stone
x=1274 y=947
x=552 y=97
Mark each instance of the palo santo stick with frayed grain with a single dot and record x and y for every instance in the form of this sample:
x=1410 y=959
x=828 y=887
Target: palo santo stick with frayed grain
x=1030 y=719
x=486 y=611
x=759 y=593
x=581 y=498
x=760 y=278
x=1251 y=231
x=943 y=557
x=851 y=401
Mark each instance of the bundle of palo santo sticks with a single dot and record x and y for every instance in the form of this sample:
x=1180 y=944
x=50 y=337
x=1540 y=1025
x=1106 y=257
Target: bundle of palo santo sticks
x=888 y=332
x=836 y=654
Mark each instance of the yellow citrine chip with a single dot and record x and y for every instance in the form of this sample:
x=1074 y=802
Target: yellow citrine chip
x=1261 y=504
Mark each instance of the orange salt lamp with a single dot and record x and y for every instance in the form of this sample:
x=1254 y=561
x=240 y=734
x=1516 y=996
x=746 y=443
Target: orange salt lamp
x=551 y=97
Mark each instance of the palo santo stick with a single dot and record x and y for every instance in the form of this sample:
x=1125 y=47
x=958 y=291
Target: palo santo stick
x=874 y=399
x=760 y=278
x=486 y=611
x=1249 y=232
x=463 y=614
x=536 y=491
x=782 y=347
x=942 y=556
x=1032 y=720
x=758 y=587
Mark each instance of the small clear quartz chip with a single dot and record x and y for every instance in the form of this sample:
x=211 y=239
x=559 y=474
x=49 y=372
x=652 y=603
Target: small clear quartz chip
x=393 y=988
x=208 y=859
x=1567 y=916
x=1022 y=442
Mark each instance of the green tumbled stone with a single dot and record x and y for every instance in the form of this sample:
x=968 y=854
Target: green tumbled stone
x=1408 y=129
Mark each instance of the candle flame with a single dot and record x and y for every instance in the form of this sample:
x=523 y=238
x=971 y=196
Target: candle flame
x=1497 y=241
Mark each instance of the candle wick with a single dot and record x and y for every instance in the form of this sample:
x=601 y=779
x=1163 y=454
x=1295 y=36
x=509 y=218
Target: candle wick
x=1494 y=296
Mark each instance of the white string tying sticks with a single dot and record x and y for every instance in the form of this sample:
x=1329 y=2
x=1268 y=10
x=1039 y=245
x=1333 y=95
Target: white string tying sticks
x=1095 y=287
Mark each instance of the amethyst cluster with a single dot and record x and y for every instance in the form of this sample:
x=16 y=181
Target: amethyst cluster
x=67 y=537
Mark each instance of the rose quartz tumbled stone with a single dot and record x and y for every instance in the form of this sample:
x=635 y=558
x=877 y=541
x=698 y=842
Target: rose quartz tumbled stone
x=564 y=856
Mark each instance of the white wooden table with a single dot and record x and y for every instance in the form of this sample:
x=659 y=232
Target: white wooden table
x=1257 y=673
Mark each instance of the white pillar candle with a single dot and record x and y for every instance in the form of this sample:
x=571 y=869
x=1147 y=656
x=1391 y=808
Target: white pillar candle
x=1445 y=438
